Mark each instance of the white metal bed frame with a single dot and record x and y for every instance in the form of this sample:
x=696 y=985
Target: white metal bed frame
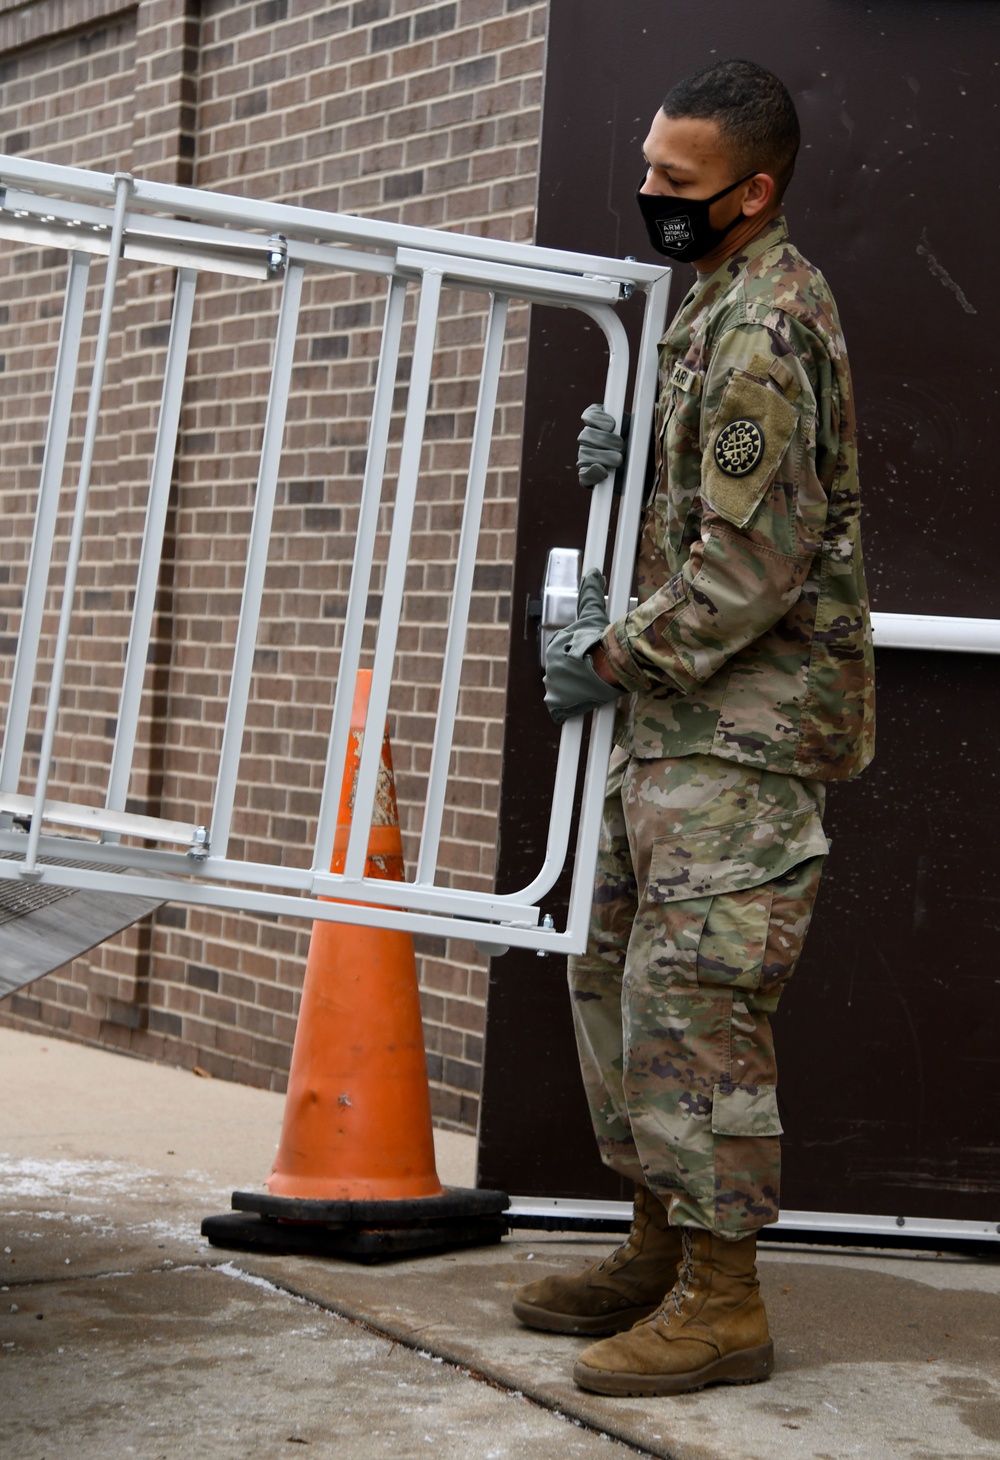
x=87 y=213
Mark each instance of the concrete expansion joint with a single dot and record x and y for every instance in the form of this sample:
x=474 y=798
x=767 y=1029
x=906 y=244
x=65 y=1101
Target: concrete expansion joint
x=87 y=1275
x=417 y=1340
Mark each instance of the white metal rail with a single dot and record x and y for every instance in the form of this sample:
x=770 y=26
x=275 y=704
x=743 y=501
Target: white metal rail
x=565 y=1213
x=121 y=217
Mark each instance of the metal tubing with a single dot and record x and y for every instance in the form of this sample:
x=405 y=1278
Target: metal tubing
x=936 y=631
x=487 y=907
x=364 y=550
x=122 y=184
x=366 y=915
x=351 y=260
x=152 y=541
x=461 y=596
x=395 y=569
x=257 y=550
x=576 y=1211
x=563 y=798
x=602 y=497
x=46 y=514
x=643 y=406
x=622 y=572
x=313 y=223
x=54 y=222
x=526 y=283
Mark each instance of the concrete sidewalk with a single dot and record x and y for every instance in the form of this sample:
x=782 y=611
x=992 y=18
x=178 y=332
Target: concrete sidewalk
x=124 y=1333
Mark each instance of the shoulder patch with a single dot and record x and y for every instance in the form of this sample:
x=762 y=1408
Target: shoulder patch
x=739 y=447
x=750 y=435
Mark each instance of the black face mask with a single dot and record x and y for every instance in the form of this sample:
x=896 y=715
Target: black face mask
x=679 y=227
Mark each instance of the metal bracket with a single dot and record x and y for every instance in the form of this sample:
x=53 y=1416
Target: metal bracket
x=277 y=254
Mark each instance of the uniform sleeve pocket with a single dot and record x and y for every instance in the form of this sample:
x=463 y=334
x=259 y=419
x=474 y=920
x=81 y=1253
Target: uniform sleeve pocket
x=750 y=435
x=745 y=1110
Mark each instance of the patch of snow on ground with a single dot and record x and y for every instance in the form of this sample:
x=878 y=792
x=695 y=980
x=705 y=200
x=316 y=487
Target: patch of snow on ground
x=83 y=1180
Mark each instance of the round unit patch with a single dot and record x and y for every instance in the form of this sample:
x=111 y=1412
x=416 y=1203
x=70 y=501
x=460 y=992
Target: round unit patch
x=739 y=447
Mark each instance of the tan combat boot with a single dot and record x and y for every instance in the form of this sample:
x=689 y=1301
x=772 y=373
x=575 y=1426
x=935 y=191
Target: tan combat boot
x=710 y=1329
x=625 y=1287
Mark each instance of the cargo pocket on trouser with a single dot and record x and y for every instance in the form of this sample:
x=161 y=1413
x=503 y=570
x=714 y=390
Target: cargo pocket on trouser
x=734 y=939
x=745 y=1131
x=793 y=897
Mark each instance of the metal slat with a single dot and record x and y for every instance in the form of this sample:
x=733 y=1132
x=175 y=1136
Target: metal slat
x=394 y=578
x=253 y=583
x=152 y=541
x=46 y=516
x=461 y=597
x=56 y=223
x=361 y=570
x=103 y=856
x=122 y=185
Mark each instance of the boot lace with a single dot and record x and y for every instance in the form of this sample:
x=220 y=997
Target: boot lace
x=685 y=1273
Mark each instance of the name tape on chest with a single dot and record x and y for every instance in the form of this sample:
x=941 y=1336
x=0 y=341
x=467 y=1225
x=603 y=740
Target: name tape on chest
x=685 y=379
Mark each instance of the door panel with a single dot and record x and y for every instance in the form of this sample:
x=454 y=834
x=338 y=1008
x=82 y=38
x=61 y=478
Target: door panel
x=888 y=1084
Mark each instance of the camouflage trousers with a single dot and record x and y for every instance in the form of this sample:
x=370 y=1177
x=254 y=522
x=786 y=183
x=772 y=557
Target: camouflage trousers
x=706 y=880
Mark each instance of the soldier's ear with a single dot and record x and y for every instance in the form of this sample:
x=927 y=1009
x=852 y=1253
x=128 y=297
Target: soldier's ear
x=759 y=194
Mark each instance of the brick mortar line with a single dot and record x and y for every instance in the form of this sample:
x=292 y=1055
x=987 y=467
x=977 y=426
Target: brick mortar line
x=401 y=78
x=23 y=26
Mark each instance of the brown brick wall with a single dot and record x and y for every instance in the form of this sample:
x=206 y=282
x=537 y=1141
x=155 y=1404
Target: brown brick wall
x=424 y=113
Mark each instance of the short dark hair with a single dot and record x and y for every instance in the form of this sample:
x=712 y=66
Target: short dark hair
x=755 y=115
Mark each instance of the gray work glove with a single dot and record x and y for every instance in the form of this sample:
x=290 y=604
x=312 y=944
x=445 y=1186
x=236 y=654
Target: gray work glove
x=572 y=684
x=602 y=450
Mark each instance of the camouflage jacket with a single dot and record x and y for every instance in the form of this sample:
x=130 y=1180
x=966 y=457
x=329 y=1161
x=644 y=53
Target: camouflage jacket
x=752 y=640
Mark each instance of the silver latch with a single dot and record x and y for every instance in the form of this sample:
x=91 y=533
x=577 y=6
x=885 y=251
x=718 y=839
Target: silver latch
x=560 y=587
x=557 y=606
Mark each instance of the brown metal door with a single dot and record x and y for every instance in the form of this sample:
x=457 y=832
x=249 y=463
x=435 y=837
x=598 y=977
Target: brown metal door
x=886 y=1037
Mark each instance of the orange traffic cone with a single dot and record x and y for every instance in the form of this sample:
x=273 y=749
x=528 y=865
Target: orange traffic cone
x=357 y=1119
x=354 y=1175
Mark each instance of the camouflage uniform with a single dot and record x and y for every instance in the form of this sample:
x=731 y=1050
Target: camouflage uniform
x=749 y=663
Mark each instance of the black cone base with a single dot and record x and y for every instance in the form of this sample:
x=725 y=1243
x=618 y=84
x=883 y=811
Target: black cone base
x=367 y=1231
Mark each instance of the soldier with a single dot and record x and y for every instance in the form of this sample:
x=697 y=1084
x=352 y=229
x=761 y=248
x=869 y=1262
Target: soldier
x=745 y=683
